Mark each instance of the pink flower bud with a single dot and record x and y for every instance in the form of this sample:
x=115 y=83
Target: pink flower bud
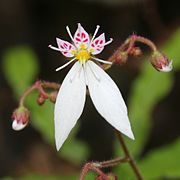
x=135 y=51
x=160 y=62
x=20 y=118
x=53 y=96
x=109 y=176
x=120 y=57
x=41 y=100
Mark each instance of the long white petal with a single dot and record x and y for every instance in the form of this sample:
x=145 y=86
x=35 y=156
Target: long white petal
x=69 y=103
x=107 y=98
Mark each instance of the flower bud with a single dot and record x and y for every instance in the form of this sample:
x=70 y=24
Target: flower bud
x=135 y=51
x=41 y=99
x=120 y=57
x=53 y=96
x=20 y=118
x=109 y=176
x=160 y=62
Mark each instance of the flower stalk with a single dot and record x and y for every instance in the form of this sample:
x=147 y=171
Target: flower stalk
x=40 y=86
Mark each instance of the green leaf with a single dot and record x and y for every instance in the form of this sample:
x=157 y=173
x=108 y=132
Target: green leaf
x=163 y=162
x=49 y=177
x=42 y=117
x=171 y=49
x=90 y=176
x=42 y=120
x=147 y=90
x=20 y=67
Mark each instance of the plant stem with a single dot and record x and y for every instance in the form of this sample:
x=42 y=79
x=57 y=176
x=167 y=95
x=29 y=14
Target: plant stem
x=39 y=86
x=120 y=56
x=113 y=162
x=131 y=160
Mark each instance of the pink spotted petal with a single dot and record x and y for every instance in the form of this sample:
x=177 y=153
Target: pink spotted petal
x=98 y=44
x=81 y=36
x=65 y=47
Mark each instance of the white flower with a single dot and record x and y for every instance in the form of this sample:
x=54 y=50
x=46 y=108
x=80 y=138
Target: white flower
x=103 y=91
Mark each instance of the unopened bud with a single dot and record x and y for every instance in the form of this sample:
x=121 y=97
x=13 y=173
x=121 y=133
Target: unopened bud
x=20 y=118
x=135 y=51
x=53 y=96
x=109 y=176
x=112 y=176
x=160 y=62
x=41 y=99
x=120 y=57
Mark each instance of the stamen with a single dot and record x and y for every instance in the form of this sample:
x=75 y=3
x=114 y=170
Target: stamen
x=108 y=42
x=94 y=35
x=63 y=66
x=57 y=49
x=70 y=35
x=54 y=48
x=102 y=61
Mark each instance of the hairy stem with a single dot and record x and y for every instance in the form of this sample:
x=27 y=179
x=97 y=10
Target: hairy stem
x=120 y=56
x=40 y=86
x=128 y=155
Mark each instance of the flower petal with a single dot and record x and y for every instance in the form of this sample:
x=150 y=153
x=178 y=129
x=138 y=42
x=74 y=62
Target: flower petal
x=98 y=44
x=107 y=98
x=65 y=47
x=69 y=103
x=81 y=36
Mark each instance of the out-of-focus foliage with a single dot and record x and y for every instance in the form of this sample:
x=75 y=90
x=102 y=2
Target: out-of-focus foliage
x=172 y=49
x=20 y=67
x=148 y=89
x=41 y=177
x=162 y=162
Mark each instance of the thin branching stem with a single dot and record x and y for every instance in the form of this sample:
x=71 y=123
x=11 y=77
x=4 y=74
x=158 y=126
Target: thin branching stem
x=128 y=155
x=40 y=86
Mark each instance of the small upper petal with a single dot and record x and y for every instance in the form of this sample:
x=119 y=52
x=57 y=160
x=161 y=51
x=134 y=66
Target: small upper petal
x=65 y=47
x=97 y=45
x=81 y=36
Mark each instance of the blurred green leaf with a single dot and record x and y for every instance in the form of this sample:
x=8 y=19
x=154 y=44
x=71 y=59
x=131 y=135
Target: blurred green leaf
x=20 y=67
x=74 y=150
x=172 y=49
x=147 y=90
x=90 y=176
x=163 y=162
x=42 y=120
x=49 y=177
x=42 y=117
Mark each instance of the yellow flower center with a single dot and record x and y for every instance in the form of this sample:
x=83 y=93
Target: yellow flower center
x=82 y=54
